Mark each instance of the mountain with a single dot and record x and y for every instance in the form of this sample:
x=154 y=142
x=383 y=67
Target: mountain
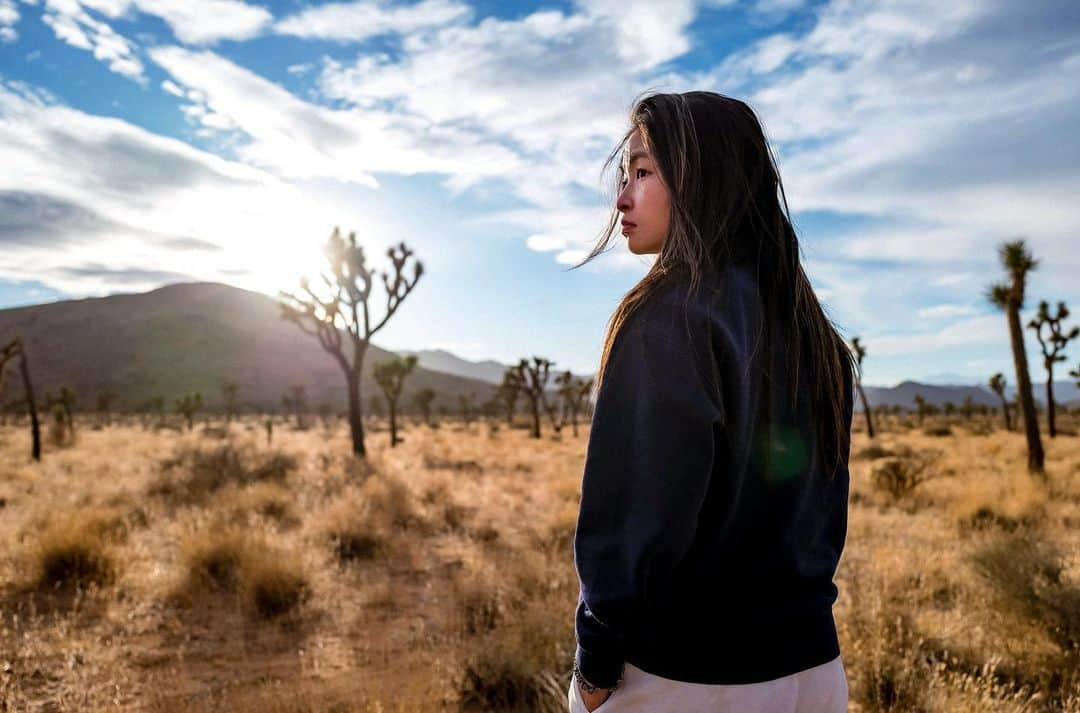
x=443 y=361
x=187 y=337
x=903 y=394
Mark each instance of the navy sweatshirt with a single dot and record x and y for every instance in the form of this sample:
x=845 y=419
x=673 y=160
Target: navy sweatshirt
x=695 y=563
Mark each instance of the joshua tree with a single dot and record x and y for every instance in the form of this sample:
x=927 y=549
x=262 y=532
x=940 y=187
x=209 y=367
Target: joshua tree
x=228 y=394
x=1075 y=373
x=997 y=384
x=390 y=376
x=347 y=306
x=508 y=392
x=860 y=352
x=295 y=400
x=921 y=407
x=13 y=349
x=1052 y=351
x=422 y=400
x=1009 y=297
x=533 y=378
x=573 y=392
x=188 y=405
x=64 y=400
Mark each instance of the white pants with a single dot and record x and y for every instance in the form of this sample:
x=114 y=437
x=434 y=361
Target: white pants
x=821 y=689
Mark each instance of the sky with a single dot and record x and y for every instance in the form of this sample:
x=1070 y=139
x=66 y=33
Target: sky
x=147 y=142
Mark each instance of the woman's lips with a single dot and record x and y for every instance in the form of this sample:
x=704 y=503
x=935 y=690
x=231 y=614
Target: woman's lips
x=627 y=226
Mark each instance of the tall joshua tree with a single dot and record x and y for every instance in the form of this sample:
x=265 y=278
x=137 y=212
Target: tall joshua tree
x=1009 y=297
x=13 y=349
x=347 y=306
x=533 y=377
x=860 y=352
x=997 y=384
x=390 y=376
x=1052 y=347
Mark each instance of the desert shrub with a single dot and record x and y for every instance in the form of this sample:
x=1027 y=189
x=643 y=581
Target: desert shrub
x=204 y=472
x=873 y=452
x=899 y=475
x=230 y=563
x=73 y=551
x=519 y=665
x=1027 y=582
x=938 y=431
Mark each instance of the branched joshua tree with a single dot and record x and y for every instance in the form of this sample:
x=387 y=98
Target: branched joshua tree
x=997 y=385
x=860 y=352
x=573 y=392
x=1009 y=297
x=188 y=405
x=228 y=395
x=347 y=306
x=8 y=353
x=390 y=376
x=533 y=377
x=422 y=401
x=1052 y=347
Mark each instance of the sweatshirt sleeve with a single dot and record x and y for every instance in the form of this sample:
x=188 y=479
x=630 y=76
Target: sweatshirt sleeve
x=647 y=468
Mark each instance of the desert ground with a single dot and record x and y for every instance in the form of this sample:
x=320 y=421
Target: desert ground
x=162 y=569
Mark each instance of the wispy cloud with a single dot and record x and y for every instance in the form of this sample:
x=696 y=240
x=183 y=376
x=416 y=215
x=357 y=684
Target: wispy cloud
x=356 y=21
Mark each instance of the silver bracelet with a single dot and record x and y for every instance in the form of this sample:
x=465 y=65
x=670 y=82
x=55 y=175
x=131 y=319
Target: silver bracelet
x=590 y=688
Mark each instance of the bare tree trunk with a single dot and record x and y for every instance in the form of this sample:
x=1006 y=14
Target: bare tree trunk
x=1005 y=411
x=1027 y=401
x=1050 y=402
x=866 y=412
x=356 y=424
x=35 y=430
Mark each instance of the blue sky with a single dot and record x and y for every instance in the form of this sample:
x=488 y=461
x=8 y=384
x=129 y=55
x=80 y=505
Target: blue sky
x=145 y=142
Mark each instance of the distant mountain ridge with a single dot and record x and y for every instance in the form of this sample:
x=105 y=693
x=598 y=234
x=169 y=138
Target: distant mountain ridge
x=903 y=394
x=487 y=370
x=187 y=337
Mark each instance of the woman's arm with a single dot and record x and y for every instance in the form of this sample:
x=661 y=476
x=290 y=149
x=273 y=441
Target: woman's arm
x=647 y=468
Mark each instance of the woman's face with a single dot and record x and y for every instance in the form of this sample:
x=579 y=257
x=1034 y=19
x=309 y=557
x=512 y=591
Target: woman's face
x=643 y=200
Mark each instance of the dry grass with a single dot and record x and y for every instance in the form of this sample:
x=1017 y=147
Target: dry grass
x=169 y=571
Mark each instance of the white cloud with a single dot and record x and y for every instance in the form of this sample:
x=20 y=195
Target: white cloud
x=72 y=24
x=125 y=200
x=9 y=16
x=208 y=21
x=355 y=21
x=945 y=310
x=296 y=139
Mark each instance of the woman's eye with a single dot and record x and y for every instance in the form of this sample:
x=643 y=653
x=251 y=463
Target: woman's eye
x=640 y=169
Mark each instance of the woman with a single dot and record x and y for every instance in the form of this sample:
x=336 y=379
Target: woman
x=714 y=496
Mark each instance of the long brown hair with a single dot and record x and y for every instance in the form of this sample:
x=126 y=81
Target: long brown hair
x=728 y=207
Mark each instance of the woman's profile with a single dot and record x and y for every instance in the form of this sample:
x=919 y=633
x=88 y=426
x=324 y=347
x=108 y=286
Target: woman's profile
x=714 y=494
